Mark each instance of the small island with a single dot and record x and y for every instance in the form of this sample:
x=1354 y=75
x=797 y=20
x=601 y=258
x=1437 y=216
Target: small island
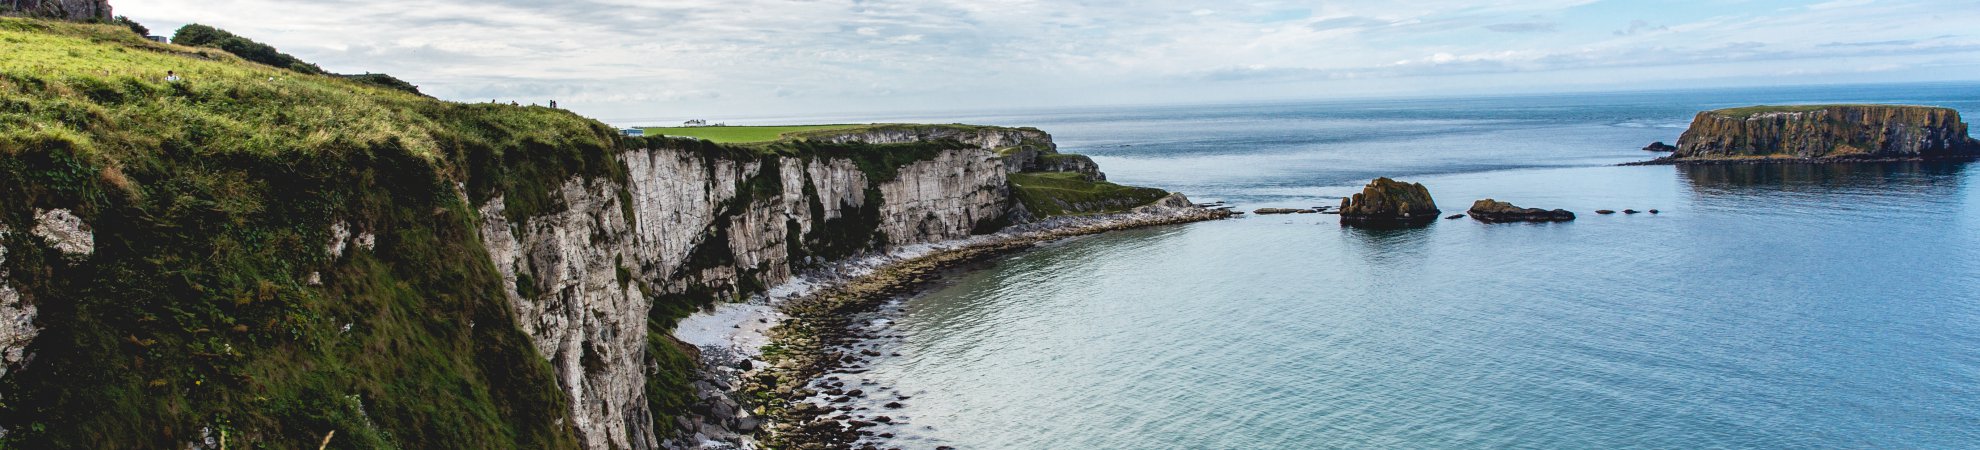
x=1824 y=133
x=1386 y=203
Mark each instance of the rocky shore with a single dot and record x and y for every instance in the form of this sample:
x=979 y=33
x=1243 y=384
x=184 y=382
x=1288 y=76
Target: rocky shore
x=767 y=362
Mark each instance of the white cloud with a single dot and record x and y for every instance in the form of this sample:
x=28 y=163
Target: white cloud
x=640 y=59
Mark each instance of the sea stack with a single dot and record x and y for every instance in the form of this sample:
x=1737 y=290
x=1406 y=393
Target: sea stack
x=1386 y=202
x=1489 y=210
x=1822 y=133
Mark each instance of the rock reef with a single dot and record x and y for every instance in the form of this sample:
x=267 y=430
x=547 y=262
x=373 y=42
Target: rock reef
x=1386 y=202
x=1822 y=133
x=1489 y=210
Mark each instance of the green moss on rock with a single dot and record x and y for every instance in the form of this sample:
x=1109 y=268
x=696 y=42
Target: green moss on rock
x=1048 y=194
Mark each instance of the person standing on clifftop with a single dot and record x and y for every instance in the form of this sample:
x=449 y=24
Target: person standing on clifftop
x=171 y=76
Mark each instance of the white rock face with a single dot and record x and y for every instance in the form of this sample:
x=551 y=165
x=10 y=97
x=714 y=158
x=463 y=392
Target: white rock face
x=592 y=326
x=66 y=232
x=16 y=320
x=943 y=198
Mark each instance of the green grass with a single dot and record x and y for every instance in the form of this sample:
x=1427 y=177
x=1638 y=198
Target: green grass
x=1750 y=111
x=767 y=134
x=211 y=200
x=1048 y=194
x=742 y=135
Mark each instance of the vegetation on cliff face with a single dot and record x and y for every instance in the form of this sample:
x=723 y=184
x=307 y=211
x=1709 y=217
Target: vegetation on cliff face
x=281 y=254
x=1047 y=194
x=212 y=201
x=1826 y=132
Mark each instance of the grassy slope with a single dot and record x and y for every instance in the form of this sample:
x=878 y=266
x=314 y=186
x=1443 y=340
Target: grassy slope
x=211 y=200
x=1066 y=193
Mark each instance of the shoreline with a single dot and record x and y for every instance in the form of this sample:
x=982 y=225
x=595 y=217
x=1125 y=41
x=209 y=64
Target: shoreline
x=1670 y=161
x=768 y=357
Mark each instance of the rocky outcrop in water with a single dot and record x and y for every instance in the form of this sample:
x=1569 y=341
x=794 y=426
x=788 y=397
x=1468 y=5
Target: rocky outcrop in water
x=1660 y=146
x=1489 y=210
x=77 y=10
x=1386 y=202
x=1825 y=133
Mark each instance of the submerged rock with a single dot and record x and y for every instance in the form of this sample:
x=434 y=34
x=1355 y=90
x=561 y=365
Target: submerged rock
x=1604 y=211
x=1271 y=211
x=1386 y=202
x=1489 y=210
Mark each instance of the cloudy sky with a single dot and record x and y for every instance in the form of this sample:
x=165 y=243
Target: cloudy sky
x=639 y=62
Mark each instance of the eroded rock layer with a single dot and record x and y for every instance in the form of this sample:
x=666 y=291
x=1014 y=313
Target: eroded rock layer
x=1830 y=132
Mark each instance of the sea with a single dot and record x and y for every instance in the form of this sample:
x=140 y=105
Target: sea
x=1765 y=306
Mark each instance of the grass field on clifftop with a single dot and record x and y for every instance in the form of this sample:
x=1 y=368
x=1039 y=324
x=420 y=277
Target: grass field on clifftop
x=1750 y=111
x=741 y=135
x=1048 y=194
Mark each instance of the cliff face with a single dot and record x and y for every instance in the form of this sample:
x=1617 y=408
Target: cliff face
x=77 y=10
x=709 y=227
x=1826 y=132
x=178 y=266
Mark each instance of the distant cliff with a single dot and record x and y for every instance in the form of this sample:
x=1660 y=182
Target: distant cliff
x=79 y=10
x=1825 y=132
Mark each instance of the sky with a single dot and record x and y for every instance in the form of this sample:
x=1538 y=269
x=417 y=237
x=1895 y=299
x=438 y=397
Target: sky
x=633 y=62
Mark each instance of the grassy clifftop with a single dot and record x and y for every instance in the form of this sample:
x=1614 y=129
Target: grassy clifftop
x=210 y=305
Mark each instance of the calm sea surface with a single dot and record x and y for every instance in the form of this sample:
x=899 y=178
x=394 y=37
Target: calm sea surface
x=1784 y=306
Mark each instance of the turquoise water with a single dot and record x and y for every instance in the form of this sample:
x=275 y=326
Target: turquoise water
x=1783 y=306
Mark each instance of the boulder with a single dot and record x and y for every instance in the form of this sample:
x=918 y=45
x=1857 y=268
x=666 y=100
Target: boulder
x=76 y=10
x=1386 y=202
x=1660 y=146
x=1604 y=212
x=1489 y=210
